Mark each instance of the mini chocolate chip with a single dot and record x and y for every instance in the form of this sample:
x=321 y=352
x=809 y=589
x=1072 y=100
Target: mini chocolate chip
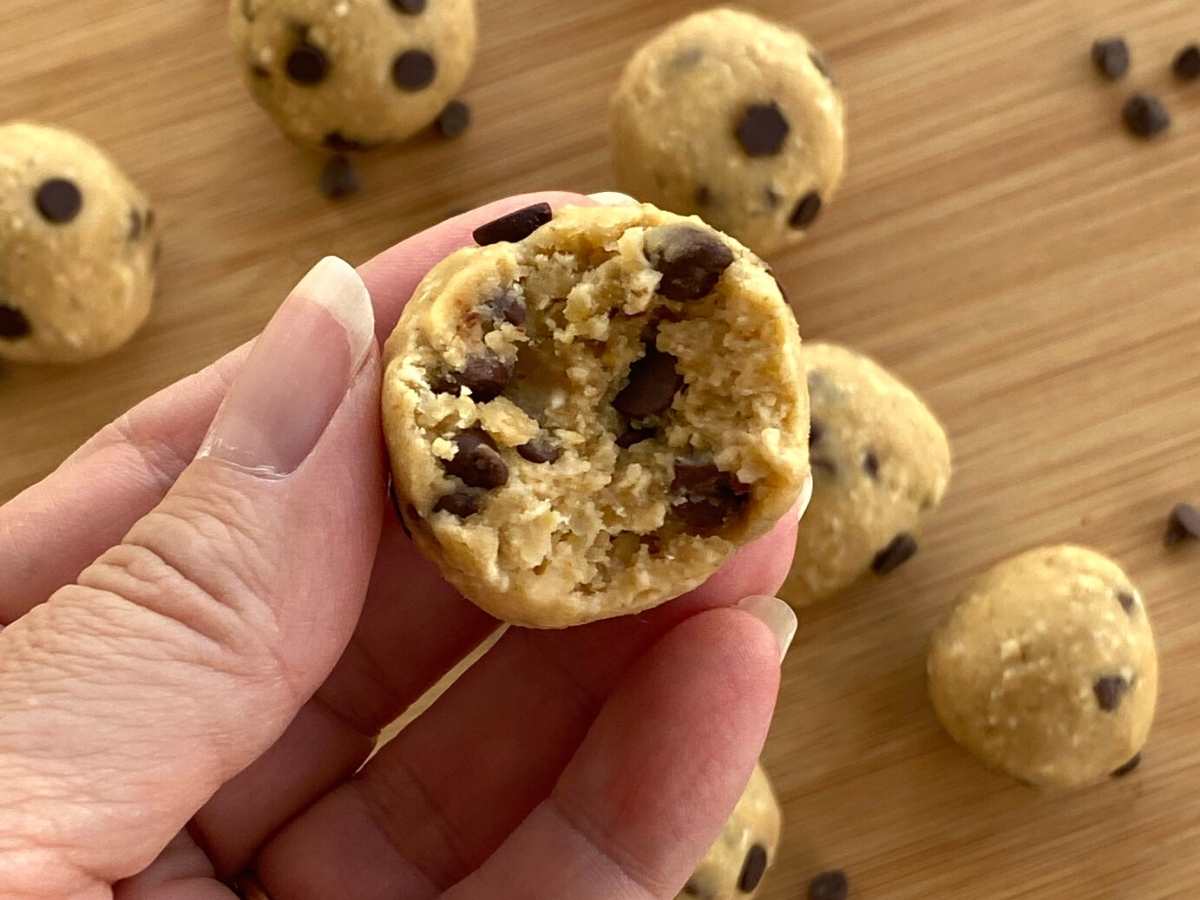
x=763 y=129
x=505 y=306
x=653 y=383
x=753 y=869
x=338 y=178
x=335 y=140
x=902 y=548
x=831 y=885
x=1128 y=767
x=58 y=200
x=816 y=431
x=414 y=70
x=516 y=226
x=710 y=496
x=871 y=465
x=454 y=119
x=260 y=71
x=704 y=195
x=1127 y=600
x=135 y=224
x=409 y=7
x=806 y=211
x=460 y=503
x=1111 y=57
x=1145 y=116
x=14 y=324
x=631 y=436
x=307 y=65
x=540 y=450
x=478 y=462
x=1187 y=63
x=1183 y=525
x=1109 y=691
x=691 y=260
x=821 y=64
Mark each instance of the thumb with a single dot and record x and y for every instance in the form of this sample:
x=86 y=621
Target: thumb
x=181 y=654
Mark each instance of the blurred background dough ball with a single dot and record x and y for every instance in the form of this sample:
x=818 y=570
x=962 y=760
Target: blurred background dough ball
x=353 y=74
x=735 y=119
x=77 y=248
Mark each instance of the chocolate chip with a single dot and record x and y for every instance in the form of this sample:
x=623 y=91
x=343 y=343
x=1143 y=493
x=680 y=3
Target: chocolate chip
x=902 y=548
x=653 y=383
x=1109 y=691
x=1128 y=767
x=454 y=119
x=516 y=226
x=505 y=306
x=1187 y=63
x=831 y=885
x=460 y=503
x=409 y=7
x=704 y=196
x=335 y=140
x=414 y=70
x=763 y=129
x=260 y=71
x=710 y=497
x=135 y=224
x=753 y=869
x=631 y=436
x=1127 y=600
x=540 y=450
x=1183 y=525
x=58 y=200
x=486 y=375
x=816 y=431
x=806 y=211
x=821 y=65
x=691 y=260
x=307 y=65
x=1111 y=57
x=1145 y=116
x=871 y=465
x=14 y=324
x=338 y=178
x=478 y=463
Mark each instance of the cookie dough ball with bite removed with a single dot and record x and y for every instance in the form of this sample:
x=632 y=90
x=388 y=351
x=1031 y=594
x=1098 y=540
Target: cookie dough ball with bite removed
x=881 y=466
x=736 y=119
x=77 y=248
x=1047 y=668
x=587 y=422
x=353 y=74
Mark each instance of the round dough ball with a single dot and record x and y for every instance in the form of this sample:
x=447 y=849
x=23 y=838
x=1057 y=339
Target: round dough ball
x=881 y=465
x=353 y=74
x=733 y=118
x=77 y=248
x=734 y=866
x=565 y=441
x=1047 y=669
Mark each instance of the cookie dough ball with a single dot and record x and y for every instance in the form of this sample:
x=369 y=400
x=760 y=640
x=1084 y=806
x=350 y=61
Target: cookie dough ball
x=734 y=866
x=353 y=74
x=589 y=421
x=1047 y=670
x=77 y=248
x=736 y=119
x=881 y=465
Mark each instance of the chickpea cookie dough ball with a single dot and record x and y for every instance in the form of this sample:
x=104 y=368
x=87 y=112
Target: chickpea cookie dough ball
x=881 y=465
x=77 y=248
x=1047 y=668
x=736 y=119
x=353 y=74
x=587 y=418
x=734 y=866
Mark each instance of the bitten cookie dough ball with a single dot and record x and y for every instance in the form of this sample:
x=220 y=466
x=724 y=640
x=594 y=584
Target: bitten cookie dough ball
x=881 y=465
x=1047 y=669
x=736 y=119
x=77 y=248
x=353 y=74
x=589 y=421
x=734 y=866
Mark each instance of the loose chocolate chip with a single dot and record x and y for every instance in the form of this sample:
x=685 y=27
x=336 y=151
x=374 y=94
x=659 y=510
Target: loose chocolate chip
x=653 y=383
x=260 y=71
x=338 y=178
x=710 y=496
x=409 y=7
x=816 y=431
x=454 y=119
x=1128 y=767
x=307 y=65
x=1183 y=525
x=871 y=465
x=461 y=503
x=335 y=140
x=414 y=70
x=58 y=200
x=486 y=375
x=505 y=306
x=1111 y=57
x=902 y=548
x=631 y=436
x=763 y=129
x=1127 y=600
x=1109 y=691
x=704 y=196
x=135 y=224
x=821 y=65
x=516 y=226
x=753 y=869
x=1145 y=116
x=540 y=450
x=831 y=885
x=14 y=324
x=1187 y=63
x=478 y=463
x=691 y=260
x=806 y=211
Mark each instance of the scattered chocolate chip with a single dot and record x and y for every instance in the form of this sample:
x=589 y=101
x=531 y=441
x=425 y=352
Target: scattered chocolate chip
x=871 y=465
x=1127 y=600
x=704 y=196
x=540 y=450
x=763 y=129
x=806 y=211
x=14 y=324
x=691 y=260
x=902 y=548
x=653 y=383
x=460 y=503
x=454 y=119
x=260 y=71
x=1187 y=63
x=478 y=462
x=816 y=431
x=516 y=226
x=1111 y=57
x=338 y=178
x=135 y=224
x=486 y=375
x=58 y=200
x=1183 y=525
x=1109 y=691
x=409 y=7
x=414 y=70
x=335 y=140
x=505 y=306
x=753 y=869
x=1128 y=767
x=821 y=64
x=831 y=885
x=307 y=65
x=1145 y=116
x=710 y=496
x=631 y=436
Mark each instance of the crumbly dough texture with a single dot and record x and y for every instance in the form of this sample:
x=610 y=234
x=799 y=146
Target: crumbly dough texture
x=1047 y=668
x=640 y=439
x=353 y=74
x=734 y=118
x=881 y=465
x=734 y=866
x=77 y=248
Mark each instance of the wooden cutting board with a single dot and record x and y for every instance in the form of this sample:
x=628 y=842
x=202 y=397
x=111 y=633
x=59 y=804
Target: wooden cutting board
x=1000 y=243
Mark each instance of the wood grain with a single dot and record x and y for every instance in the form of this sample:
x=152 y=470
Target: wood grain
x=1000 y=243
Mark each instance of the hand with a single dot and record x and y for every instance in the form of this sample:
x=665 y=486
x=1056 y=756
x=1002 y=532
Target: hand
x=211 y=613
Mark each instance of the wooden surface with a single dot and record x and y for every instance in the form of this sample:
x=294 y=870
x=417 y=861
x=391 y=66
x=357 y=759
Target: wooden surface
x=999 y=242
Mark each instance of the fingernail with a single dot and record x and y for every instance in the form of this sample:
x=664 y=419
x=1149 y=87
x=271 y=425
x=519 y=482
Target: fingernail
x=296 y=376
x=806 y=493
x=613 y=198
x=777 y=616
